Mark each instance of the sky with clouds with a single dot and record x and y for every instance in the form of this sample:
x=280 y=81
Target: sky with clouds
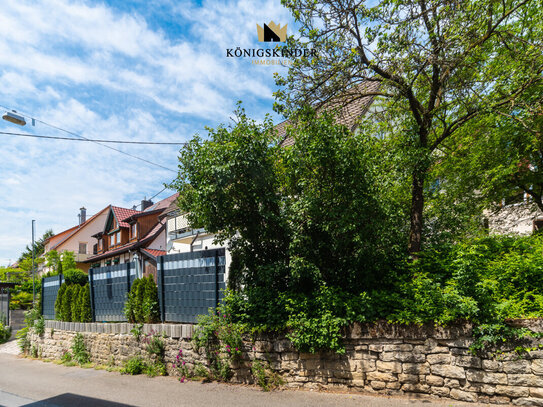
x=130 y=70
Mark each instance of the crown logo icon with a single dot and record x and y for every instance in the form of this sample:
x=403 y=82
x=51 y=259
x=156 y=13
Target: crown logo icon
x=272 y=32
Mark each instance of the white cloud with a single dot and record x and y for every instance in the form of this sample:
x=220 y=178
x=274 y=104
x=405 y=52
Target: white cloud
x=110 y=74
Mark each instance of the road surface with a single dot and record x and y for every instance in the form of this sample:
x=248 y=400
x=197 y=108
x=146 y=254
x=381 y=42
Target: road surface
x=32 y=383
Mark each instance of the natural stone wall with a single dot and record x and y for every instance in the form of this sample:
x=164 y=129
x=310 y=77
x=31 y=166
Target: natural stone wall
x=379 y=358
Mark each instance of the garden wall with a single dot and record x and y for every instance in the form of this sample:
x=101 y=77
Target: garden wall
x=380 y=358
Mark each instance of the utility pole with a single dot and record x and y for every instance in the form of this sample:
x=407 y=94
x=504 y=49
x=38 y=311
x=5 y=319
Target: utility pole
x=33 y=271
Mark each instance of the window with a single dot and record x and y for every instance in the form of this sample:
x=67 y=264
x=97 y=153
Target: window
x=82 y=248
x=116 y=260
x=111 y=240
x=134 y=230
x=118 y=237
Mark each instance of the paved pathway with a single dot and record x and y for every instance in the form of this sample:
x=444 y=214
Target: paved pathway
x=10 y=348
x=31 y=383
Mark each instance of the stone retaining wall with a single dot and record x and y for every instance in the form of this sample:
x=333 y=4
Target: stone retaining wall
x=379 y=358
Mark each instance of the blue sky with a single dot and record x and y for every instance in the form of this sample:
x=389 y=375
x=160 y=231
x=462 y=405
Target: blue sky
x=131 y=70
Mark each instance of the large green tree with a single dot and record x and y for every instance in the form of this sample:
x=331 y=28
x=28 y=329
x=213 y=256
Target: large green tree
x=437 y=65
x=317 y=214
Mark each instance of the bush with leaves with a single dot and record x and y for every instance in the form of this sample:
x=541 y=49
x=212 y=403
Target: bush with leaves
x=142 y=302
x=5 y=333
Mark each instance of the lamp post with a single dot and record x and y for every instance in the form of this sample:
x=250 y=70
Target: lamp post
x=33 y=271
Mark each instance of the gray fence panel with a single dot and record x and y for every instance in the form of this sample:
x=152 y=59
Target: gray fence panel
x=190 y=284
x=4 y=306
x=110 y=290
x=49 y=295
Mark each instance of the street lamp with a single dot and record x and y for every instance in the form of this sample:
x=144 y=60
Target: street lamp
x=33 y=271
x=13 y=117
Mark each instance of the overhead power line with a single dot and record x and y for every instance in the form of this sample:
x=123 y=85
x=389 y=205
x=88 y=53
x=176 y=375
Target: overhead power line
x=92 y=140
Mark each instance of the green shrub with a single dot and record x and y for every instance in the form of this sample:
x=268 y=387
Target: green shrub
x=79 y=350
x=134 y=366
x=75 y=303
x=142 y=302
x=75 y=276
x=66 y=314
x=58 y=302
x=85 y=304
x=5 y=333
x=39 y=326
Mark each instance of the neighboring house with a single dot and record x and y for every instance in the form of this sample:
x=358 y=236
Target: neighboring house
x=523 y=218
x=77 y=239
x=129 y=235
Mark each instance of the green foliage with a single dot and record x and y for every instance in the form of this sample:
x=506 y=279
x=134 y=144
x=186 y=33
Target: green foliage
x=30 y=317
x=39 y=326
x=5 y=333
x=155 y=368
x=265 y=377
x=142 y=302
x=21 y=300
x=73 y=275
x=134 y=366
x=58 y=302
x=73 y=303
x=155 y=346
x=66 y=312
x=137 y=331
x=85 y=304
x=79 y=350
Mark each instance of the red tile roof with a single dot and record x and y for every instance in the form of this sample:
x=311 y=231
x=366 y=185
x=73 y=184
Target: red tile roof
x=123 y=213
x=351 y=105
x=154 y=253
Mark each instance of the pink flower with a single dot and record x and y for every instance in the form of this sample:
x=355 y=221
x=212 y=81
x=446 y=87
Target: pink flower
x=182 y=379
x=237 y=349
x=183 y=363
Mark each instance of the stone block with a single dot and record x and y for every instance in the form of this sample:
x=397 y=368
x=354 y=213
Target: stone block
x=393 y=386
x=454 y=372
x=404 y=347
x=282 y=346
x=513 y=391
x=366 y=365
x=410 y=357
x=436 y=381
x=517 y=366
x=387 y=356
x=537 y=366
x=391 y=367
x=468 y=361
x=375 y=348
x=452 y=383
x=377 y=385
x=408 y=378
x=440 y=391
x=480 y=376
x=528 y=401
x=536 y=392
x=415 y=368
x=439 y=358
x=290 y=356
x=382 y=377
x=525 y=380
x=491 y=365
x=463 y=395
x=416 y=388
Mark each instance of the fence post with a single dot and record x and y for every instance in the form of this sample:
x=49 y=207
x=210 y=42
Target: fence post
x=160 y=265
x=42 y=295
x=216 y=278
x=128 y=279
x=91 y=287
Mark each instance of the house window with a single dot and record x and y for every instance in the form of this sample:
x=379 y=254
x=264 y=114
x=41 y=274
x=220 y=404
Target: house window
x=118 y=237
x=111 y=240
x=134 y=230
x=82 y=248
x=116 y=260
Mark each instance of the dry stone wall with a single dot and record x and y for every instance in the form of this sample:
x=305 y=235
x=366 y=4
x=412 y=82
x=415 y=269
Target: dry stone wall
x=379 y=358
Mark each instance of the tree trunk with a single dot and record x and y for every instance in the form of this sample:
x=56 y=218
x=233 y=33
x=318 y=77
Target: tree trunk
x=417 y=205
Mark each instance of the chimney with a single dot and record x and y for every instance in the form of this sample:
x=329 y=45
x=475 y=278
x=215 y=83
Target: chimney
x=82 y=215
x=145 y=203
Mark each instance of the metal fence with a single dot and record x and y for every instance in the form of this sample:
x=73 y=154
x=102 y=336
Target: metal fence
x=190 y=283
x=109 y=288
x=50 y=286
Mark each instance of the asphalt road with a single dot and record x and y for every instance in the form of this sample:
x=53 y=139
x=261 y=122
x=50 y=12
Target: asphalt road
x=32 y=383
